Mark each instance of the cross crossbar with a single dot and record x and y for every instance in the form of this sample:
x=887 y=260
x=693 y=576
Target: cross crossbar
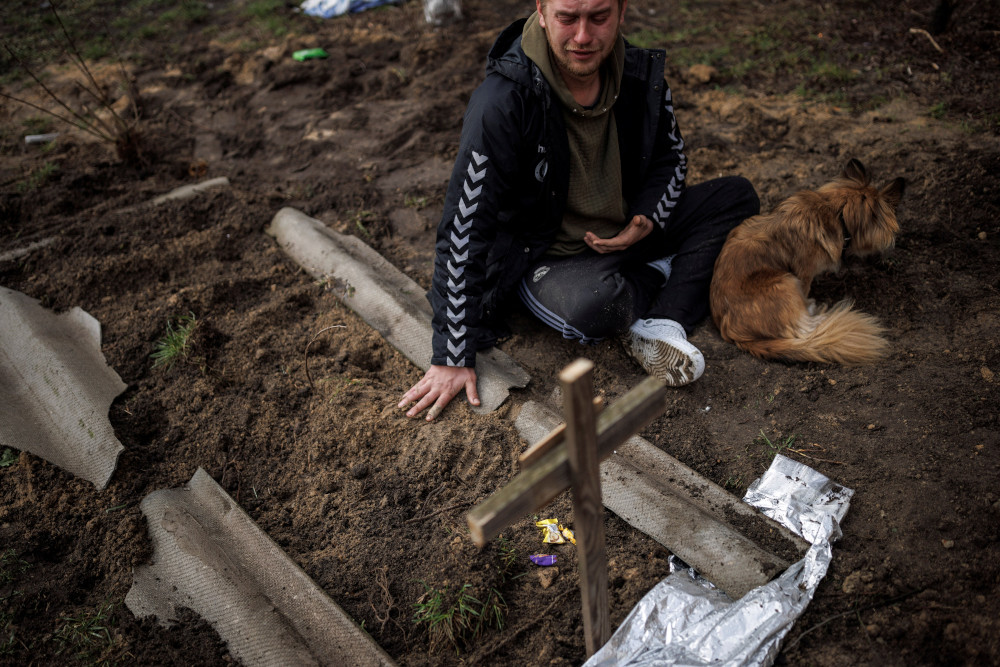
x=539 y=484
x=570 y=456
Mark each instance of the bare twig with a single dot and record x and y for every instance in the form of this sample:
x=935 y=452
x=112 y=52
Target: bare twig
x=921 y=31
x=857 y=610
x=81 y=122
x=74 y=53
x=130 y=85
x=382 y=581
x=802 y=453
x=480 y=658
x=118 y=131
x=306 y=353
x=431 y=495
x=74 y=123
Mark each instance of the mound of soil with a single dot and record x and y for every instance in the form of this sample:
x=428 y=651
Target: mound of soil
x=370 y=503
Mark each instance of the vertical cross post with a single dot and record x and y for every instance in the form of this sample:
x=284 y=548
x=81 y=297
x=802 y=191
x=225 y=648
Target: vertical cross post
x=570 y=457
x=588 y=510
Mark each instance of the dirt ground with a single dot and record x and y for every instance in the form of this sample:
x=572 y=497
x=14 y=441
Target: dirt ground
x=372 y=505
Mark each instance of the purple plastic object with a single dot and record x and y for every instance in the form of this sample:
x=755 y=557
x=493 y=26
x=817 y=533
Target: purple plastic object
x=543 y=559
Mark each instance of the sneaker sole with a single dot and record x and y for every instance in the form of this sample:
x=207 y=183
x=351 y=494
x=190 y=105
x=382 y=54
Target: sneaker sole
x=668 y=362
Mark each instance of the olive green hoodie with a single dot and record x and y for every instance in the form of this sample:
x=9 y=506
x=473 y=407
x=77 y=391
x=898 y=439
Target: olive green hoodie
x=595 y=201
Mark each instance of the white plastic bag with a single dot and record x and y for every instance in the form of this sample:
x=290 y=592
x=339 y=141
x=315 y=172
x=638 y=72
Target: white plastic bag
x=441 y=12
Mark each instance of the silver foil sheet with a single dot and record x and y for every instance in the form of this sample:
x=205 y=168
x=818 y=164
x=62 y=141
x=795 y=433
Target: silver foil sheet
x=684 y=620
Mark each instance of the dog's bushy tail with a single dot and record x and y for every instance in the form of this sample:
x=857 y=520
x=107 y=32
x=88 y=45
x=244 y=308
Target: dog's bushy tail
x=838 y=335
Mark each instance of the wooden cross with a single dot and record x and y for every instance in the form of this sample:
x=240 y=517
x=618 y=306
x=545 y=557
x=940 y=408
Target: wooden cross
x=570 y=456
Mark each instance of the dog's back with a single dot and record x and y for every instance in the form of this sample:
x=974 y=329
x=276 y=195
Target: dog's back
x=759 y=293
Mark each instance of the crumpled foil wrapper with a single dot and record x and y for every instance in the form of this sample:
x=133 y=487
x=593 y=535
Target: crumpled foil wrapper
x=685 y=620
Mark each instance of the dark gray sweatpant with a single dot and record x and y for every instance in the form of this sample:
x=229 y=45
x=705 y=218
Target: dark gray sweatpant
x=592 y=296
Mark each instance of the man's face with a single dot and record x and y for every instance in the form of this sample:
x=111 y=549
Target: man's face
x=581 y=33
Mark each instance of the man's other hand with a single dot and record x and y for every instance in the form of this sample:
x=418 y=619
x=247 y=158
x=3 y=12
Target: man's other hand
x=635 y=231
x=439 y=385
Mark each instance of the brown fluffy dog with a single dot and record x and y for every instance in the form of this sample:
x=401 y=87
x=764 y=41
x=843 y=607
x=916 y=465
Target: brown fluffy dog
x=760 y=288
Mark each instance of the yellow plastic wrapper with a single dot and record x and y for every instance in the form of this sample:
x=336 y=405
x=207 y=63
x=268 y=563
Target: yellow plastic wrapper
x=550 y=531
x=568 y=534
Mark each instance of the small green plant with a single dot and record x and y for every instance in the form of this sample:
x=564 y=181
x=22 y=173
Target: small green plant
x=360 y=218
x=449 y=617
x=777 y=447
x=342 y=383
x=506 y=555
x=648 y=39
x=413 y=201
x=268 y=16
x=37 y=124
x=36 y=178
x=761 y=450
x=11 y=566
x=493 y=613
x=186 y=11
x=938 y=111
x=175 y=345
x=734 y=481
x=832 y=72
x=8 y=635
x=87 y=636
x=8 y=457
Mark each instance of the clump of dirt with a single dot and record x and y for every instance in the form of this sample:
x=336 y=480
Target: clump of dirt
x=372 y=504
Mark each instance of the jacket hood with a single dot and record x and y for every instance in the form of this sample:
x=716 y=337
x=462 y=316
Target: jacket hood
x=506 y=57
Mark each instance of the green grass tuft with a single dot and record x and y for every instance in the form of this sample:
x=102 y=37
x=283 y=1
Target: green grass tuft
x=449 y=617
x=175 y=345
x=776 y=447
x=8 y=457
x=11 y=566
x=87 y=636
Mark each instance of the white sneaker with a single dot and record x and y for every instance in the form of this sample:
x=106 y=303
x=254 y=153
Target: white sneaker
x=661 y=347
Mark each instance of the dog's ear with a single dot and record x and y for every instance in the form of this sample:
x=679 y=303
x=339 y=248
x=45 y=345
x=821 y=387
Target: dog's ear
x=856 y=171
x=893 y=192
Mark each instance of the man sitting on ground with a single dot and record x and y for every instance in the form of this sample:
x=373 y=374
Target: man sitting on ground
x=569 y=192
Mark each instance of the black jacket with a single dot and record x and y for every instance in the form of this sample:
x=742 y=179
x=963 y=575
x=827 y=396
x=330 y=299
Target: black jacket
x=507 y=192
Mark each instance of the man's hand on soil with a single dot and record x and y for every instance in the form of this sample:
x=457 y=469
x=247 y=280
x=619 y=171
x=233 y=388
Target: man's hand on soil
x=436 y=389
x=635 y=231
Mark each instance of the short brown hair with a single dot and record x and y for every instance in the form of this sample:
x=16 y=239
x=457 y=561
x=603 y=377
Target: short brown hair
x=545 y=2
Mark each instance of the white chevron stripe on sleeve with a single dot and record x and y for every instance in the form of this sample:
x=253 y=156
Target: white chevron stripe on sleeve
x=476 y=176
x=459 y=249
x=469 y=192
x=466 y=211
